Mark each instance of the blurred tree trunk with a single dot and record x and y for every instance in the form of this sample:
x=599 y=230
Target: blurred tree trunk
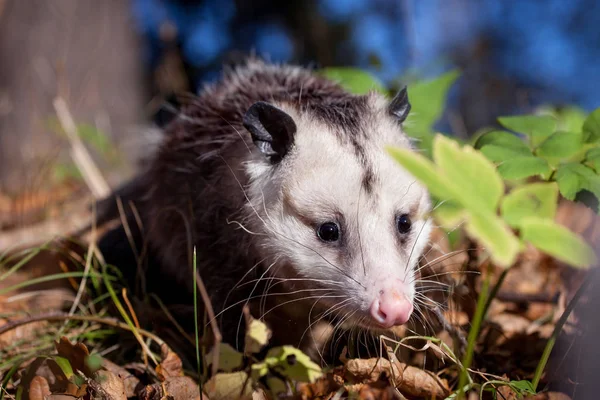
x=82 y=50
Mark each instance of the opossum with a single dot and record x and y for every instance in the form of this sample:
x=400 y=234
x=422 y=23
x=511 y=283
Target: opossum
x=281 y=181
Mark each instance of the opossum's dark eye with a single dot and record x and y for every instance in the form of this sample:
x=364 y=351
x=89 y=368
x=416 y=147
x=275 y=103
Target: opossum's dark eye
x=404 y=223
x=328 y=232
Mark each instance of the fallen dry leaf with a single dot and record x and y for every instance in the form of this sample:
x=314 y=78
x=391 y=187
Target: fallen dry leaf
x=548 y=396
x=231 y=385
x=506 y=393
x=130 y=381
x=170 y=366
x=109 y=385
x=407 y=379
x=39 y=388
x=180 y=388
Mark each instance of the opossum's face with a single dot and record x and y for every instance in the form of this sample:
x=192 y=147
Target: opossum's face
x=343 y=222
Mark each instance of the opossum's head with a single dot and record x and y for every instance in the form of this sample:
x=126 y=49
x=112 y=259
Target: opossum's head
x=342 y=223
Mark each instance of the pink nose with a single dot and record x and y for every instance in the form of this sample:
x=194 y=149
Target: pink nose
x=391 y=308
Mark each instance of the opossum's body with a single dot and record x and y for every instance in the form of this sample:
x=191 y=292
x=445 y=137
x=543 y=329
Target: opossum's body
x=281 y=181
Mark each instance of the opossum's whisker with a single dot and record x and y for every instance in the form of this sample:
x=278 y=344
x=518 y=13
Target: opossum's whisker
x=408 y=263
x=422 y=299
x=323 y=316
x=244 y=228
x=338 y=326
x=452 y=272
x=268 y=287
x=237 y=285
x=262 y=295
x=301 y=299
x=362 y=254
x=283 y=280
x=327 y=312
x=340 y=270
x=440 y=259
x=432 y=282
x=238 y=133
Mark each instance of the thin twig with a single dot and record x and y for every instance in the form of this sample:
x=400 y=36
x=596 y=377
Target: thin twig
x=213 y=321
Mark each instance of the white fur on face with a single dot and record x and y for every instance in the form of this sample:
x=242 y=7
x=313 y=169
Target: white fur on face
x=321 y=180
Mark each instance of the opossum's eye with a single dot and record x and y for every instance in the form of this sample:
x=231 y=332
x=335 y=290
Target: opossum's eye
x=404 y=223
x=328 y=232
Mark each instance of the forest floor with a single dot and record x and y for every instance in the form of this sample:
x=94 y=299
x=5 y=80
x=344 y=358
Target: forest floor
x=66 y=331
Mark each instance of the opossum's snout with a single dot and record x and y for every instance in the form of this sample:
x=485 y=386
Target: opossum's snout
x=391 y=306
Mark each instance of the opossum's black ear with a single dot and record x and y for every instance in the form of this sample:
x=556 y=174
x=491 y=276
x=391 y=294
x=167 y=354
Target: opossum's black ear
x=272 y=129
x=400 y=106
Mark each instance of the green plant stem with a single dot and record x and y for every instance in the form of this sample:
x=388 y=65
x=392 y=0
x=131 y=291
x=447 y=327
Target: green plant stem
x=473 y=333
x=495 y=291
x=557 y=328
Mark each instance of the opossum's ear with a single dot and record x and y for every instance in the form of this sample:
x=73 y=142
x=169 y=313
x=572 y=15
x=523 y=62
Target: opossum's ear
x=400 y=106
x=272 y=129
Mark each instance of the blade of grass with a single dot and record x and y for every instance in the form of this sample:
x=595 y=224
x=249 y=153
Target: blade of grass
x=473 y=334
x=557 y=329
x=495 y=291
x=20 y=264
x=49 y=278
x=124 y=315
x=6 y=379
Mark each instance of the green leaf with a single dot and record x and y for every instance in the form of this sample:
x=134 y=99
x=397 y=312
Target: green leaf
x=427 y=99
x=560 y=145
x=593 y=158
x=570 y=119
x=522 y=387
x=64 y=365
x=537 y=127
x=233 y=385
x=294 y=364
x=257 y=337
x=591 y=127
x=258 y=370
x=574 y=177
x=449 y=214
x=473 y=177
x=354 y=80
x=558 y=241
x=497 y=238
x=533 y=200
x=524 y=167
x=505 y=140
x=229 y=358
x=423 y=170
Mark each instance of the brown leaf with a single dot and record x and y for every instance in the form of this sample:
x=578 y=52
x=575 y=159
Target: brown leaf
x=410 y=380
x=506 y=393
x=109 y=386
x=170 y=366
x=549 y=396
x=77 y=354
x=180 y=388
x=39 y=388
x=129 y=380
